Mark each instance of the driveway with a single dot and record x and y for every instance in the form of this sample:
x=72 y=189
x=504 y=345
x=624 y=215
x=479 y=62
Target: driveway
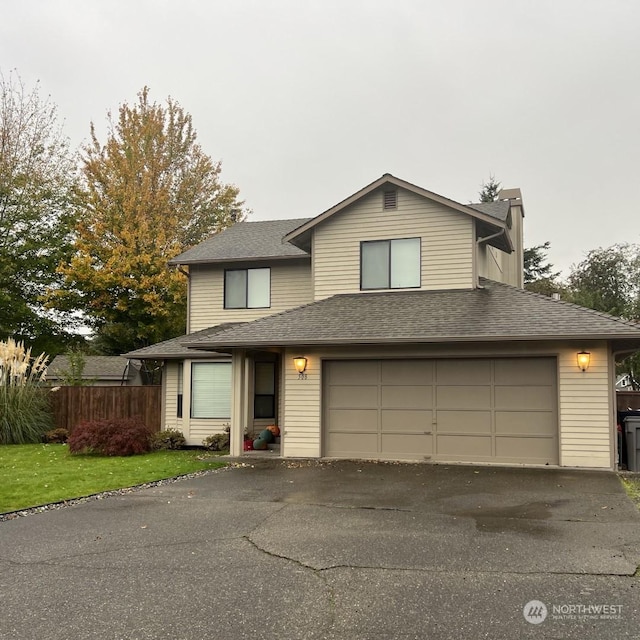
x=298 y=549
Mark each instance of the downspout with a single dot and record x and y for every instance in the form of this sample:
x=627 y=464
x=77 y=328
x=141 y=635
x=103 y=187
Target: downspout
x=188 y=276
x=486 y=239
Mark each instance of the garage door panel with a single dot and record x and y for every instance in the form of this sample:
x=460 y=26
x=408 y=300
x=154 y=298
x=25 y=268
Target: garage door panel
x=464 y=446
x=359 y=445
x=531 y=371
x=525 y=398
x=463 y=372
x=407 y=397
x=407 y=372
x=407 y=446
x=353 y=420
x=353 y=372
x=352 y=397
x=405 y=420
x=464 y=422
x=534 y=450
x=525 y=423
x=500 y=409
x=459 y=397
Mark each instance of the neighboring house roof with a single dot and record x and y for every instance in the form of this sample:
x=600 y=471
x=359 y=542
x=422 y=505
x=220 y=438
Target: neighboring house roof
x=496 y=312
x=175 y=349
x=246 y=241
x=95 y=368
x=490 y=219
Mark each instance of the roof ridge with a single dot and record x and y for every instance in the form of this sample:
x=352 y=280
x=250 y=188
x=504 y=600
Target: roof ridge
x=602 y=314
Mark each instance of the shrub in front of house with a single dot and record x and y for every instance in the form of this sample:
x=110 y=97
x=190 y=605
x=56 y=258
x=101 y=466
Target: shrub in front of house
x=25 y=412
x=216 y=442
x=169 y=439
x=112 y=437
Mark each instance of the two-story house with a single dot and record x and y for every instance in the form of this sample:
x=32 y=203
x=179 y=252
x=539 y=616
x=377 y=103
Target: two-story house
x=393 y=326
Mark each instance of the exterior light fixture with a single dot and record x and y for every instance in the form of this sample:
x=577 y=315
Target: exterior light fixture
x=300 y=363
x=584 y=358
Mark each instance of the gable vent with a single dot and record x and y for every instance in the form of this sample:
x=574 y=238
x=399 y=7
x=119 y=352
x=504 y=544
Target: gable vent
x=390 y=200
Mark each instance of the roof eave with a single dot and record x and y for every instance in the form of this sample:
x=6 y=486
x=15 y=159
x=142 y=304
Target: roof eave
x=239 y=259
x=413 y=340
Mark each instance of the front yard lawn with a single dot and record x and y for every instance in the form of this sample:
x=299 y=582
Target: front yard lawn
x=36 y=474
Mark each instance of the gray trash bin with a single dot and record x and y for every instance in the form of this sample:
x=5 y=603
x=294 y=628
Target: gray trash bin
x=632 y=433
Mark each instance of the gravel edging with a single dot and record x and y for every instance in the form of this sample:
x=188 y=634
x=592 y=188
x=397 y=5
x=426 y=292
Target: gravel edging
x=12 y=515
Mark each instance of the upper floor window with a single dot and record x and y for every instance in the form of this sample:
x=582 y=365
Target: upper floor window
x=247 y=288
x=390 y=264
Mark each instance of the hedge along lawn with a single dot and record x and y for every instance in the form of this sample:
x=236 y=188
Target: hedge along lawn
x=36 y=474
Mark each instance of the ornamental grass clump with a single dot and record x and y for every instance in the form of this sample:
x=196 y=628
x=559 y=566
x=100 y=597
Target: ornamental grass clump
x=25 y=413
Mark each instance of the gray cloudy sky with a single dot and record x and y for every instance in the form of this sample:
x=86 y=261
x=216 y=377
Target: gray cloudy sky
x=305 y=102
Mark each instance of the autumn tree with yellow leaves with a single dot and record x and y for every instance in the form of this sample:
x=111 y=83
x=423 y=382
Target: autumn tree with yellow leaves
x=150 y=193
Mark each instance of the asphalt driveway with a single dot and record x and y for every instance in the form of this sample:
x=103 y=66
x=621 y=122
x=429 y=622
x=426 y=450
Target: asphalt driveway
x=297 y=549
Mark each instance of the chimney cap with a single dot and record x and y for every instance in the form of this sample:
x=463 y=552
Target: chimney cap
x=510 y=194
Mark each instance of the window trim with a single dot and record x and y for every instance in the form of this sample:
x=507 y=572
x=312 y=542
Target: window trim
x=191 y=389
x=180 y=390
x=265 y=395
x=246 y=287
x=389 y=241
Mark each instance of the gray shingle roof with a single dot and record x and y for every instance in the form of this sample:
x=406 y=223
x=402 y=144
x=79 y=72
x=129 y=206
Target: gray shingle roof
x=496 y=312
x=174 y=348
x=95 y=367
x=245 y=241
x=498 y=210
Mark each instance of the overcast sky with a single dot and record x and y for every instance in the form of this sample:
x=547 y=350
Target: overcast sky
x=307 y=101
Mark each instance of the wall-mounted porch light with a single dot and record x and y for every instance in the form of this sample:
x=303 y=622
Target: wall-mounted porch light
x=300 y=363
x=584 y=358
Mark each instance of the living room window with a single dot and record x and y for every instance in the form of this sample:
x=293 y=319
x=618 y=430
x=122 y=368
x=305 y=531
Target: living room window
x=247 y=288
x=390 y=264
x=211 y=390
x=264 y=394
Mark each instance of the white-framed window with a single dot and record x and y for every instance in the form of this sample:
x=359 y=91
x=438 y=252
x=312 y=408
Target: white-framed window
x=247 y=288
x=390 y=264
x=211 y=390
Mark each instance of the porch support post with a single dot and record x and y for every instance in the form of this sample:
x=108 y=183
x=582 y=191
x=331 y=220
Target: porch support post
x=238 y=402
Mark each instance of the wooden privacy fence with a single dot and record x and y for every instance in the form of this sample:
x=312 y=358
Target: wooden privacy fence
x=628 y=400
x=72 y=405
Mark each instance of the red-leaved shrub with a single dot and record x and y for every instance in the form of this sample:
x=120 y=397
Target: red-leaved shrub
x=114 y=437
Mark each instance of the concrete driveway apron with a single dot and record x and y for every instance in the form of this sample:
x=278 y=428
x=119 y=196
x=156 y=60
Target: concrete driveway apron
x=307 y=549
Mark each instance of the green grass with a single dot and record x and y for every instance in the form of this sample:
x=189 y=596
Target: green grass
x=632 y=487
x=35 y=474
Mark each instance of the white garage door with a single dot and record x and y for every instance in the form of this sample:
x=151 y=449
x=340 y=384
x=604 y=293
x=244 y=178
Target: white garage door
x=482 y=410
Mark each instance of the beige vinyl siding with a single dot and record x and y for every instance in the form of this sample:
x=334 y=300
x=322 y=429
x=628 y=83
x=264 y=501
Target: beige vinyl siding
x=491 y=263
x=447 y=242
x=586 y=420
x=194 y=430
x=301 y=417
x=171 y=420
x=290 y=287
x=585 y=409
